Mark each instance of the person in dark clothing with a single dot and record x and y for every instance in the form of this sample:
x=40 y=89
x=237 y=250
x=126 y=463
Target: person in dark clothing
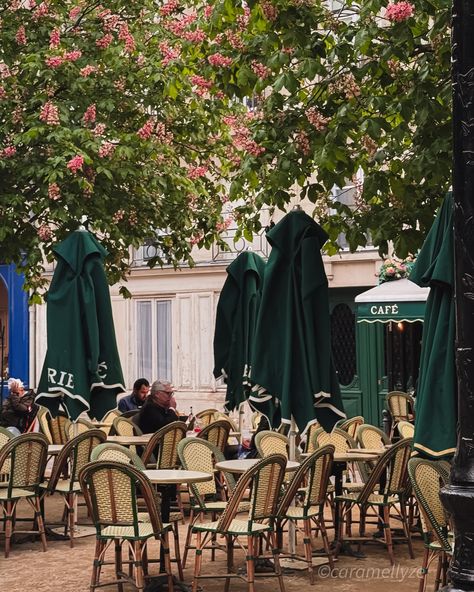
x=19 y=408
x=159 y=408
x=137 y=398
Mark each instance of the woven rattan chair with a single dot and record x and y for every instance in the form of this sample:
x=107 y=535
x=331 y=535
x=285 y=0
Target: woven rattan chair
x=268 y=442
x=75 y=454
x=161 y=451
x=427 y=477
x=255 y=419
x=199 y=455
x=369 y=436
x=312 y=479
x=110 y=451
x=79 y=427
x=309 y=443
x=401 y=407
x=406 y=429
x=112 y=491
x=5 y=437
x=216 y=433
x=264 y=479
x=108 y=420
x=207 y=416
x=54 y=428
x=27 y=457
x=384 y=496
x=122 y=426
x=350 y=425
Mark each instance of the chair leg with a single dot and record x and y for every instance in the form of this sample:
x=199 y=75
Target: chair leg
x=177 y=552
x=139 y=581
x=439 y=569
x=71 y=502
x=166 y=546
x=8 y=519
x=324 y=536
x=406 y=527
x=308 y=549
x=276 y=561
x=96 y=565
x=118 y=563
x=40 y=522
x=250 y=564
x=424 y=571
x=189 y=535
x=388 y=533
x=197 y=561
x=230 y=560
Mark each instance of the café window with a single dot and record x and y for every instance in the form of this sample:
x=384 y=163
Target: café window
x=154 y=339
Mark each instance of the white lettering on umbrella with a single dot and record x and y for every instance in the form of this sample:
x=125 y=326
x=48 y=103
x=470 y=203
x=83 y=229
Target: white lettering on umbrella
x=102 y=366
x=387 y=309
x=52 y=378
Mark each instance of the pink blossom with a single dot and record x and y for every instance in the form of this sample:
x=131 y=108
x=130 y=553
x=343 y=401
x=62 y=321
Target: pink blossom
x=302 y=142
x=118 y=216
x=54 y=38
x=72 y=56
x=106 y=149
x=75 y=12
x=269 y=10
x=208 y=10
x=125 y=35
x=87 y=71
x=44 y=232
x=217 y=59
x=243 y=19
x=99 y=129
x=196 y=172
x=169 y=7
x=316 y=119
x=41 y=11
x=235 y=40
x=201 y=81
x=399 y=11
x=4 y=71
x=49 y=114
x=3 y=92
x=390 y=271
x=146 y=131
x=54 y=193
x=8 y=152
x=104 y=41
x=54 y=61
x=20 y=36
x=75 y=164
x=196 y=36
x=90 y=114
x=169 y=53
x=196 y=238
x=260 y=69
x=162 y=134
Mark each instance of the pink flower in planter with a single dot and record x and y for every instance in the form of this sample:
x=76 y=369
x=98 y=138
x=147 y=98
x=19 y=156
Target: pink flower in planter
x=399 y=11
x=75 y=164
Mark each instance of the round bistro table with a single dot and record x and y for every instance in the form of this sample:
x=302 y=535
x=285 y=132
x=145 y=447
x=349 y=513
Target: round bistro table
x=242 y=465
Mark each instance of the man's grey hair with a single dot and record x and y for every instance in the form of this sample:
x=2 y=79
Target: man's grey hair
x=160 y=385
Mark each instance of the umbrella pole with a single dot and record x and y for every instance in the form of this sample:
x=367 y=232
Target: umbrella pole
x=291 y=526
x=458 y=496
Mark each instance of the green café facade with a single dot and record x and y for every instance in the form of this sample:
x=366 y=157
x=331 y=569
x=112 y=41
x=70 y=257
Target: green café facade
x=388 y=329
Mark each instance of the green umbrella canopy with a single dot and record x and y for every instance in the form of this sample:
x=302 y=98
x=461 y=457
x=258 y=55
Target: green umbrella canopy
x=292 y=367
x=436 y=399
x=82 y=367
x=235 y=325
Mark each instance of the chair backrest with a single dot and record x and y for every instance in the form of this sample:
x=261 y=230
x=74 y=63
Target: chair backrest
x=427 y=477
x=223 y=416
x=216 y=433
x=75 y=455
x=255 y=419
x=406 y=429
x=54 y=428
x=370 y=436
x=199 y=455
x=26 y=456
x=268 y=442
x=309 y=444
x=108 y=420
x=313 y=476
x=264 y=480
x=117 y=453
x=207 y=416
x=79 y=427
x=112 y=491
x=394 y=462
x=400 y=405
x=340 y=439
x=43 y=416
x=350 y=425
x=5 y=437
x=125 y=427
x=163 y=446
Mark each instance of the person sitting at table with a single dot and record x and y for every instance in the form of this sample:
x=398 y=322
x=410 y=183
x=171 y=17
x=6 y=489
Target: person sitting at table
x=19 y=408
x=136 y=399
x=159 y=408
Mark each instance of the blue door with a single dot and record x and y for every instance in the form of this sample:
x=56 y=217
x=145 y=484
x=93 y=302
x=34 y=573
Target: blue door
x=17 y=326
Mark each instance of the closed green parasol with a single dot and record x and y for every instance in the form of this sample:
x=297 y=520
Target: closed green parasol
x=235 y=325
x=436 y=398
x=82 y=370
x=292 y=368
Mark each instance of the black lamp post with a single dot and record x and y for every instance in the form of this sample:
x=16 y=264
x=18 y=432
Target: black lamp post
x=458 y=497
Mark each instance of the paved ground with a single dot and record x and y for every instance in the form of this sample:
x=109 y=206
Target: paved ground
x=62 y=569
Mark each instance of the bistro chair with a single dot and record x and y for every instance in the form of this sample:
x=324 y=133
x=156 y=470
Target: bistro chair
x=199 y=455
x=216 y=433
x=351 y=425
x=108 y=420
x=309 y=444
x=26 y=455
x=427 y=477
x=268 y=442
x=161 y=452
x=381 y=496
x=207 y=416
x=79 y=427
x=122 y=426
x=311 y=481
x=5 y=437
x=264 y=480
x=401 y=407
x=116 y=453
x=406 y=429
x=54 y=428
x=369 y=436
x=75 y=455
x=112 y=492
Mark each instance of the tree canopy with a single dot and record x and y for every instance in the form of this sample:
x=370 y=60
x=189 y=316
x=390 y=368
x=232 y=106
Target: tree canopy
x=132 y=115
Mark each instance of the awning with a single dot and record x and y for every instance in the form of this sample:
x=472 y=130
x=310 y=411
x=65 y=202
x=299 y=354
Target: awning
x=398 y=300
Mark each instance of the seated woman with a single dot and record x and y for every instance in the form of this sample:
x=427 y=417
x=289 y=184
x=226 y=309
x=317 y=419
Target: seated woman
x=19 y=408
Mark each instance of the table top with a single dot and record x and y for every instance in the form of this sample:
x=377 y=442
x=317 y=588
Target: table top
x=355 y=456
x=54 y=449
x=242 y=465
x=172 y=476
x=377 y=451
x=130 y=440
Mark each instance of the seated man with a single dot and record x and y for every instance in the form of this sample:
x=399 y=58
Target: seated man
x=136 y=399
x=159 y=408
